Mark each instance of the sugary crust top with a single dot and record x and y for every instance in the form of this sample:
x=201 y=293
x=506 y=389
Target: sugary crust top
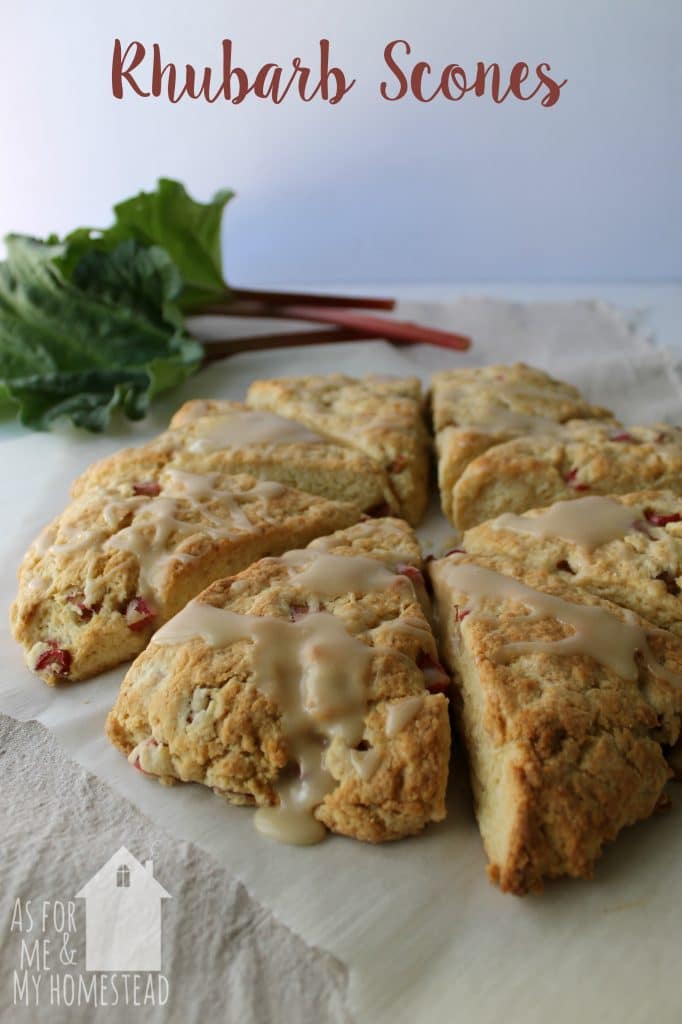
x=530 y=472
x=474 y=395
x=477 y=408
x=381 y=417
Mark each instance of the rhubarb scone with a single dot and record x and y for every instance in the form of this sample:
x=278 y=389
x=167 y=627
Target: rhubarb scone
x=627 y=549
x=530 y=472
x=308 y=685
x=565 y=703
x=117 y=564
x=476 y=408
x=381 y=417
x=229 y=437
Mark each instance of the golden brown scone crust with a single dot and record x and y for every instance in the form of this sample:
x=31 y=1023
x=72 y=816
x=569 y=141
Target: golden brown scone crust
x=330 y=470
x=641 y=570
x=379 y=416
x=531 y=472
x=191 y=713
x=80 y=593
x=475 y=408
x=563 y=751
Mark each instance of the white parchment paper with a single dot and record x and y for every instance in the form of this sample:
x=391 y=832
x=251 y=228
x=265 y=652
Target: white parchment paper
x=425 y=937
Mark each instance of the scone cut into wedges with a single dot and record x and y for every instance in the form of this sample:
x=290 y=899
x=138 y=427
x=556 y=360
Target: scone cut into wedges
x=117 y=563
x=307 y=685
x=363 y=441
x=476 y=408
x=566 y=704
x=588 y=458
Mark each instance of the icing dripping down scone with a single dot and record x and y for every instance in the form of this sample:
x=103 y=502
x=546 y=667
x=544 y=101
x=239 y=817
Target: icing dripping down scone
x=566 y=703
x=627 y=549
x=308 y=685
x=118 y=563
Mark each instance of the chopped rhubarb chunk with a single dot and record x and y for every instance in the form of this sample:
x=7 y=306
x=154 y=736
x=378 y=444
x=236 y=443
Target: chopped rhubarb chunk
x=298 y=611
x=571 y=481
x=85 y=611
x=671 y=584
x=398 y=464
x=461 y=613
x=147 y=487
x=411 y=572
x=622 y=436
x=657 y=519
x=436 y=678
x=54 y=657
x=139 y=615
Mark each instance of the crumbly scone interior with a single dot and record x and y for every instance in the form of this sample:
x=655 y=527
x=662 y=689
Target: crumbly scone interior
x=322 y=657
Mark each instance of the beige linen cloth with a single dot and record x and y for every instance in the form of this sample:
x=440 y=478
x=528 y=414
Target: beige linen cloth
x=459 y=950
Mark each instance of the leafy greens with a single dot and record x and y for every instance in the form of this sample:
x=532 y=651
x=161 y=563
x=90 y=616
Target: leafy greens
x=95 y=322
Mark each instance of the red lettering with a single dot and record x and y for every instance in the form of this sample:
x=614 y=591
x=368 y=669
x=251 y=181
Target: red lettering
x=519 y=74
x=454 y=75
x=232 y=76
x=119 y=72
x=396 y=69
x=553 y=87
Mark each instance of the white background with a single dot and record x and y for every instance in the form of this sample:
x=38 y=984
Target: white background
x=371 y=191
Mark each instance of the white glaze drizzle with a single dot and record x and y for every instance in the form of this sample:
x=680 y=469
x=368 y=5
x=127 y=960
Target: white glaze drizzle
x=248 y=427
x=400 y=713
x=595 y=631
x=317 y=675
x=588 y=522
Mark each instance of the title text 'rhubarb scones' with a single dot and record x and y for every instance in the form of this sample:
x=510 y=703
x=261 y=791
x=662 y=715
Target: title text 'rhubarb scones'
x=230 y=437
x=379 y=416
x=116 y=565
x=476 y=408
x=626 y=549
x=565 y=702
x=308 y=685
x=531 y=472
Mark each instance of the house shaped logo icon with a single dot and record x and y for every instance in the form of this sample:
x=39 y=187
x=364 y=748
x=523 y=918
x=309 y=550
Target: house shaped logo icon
x=123 y=904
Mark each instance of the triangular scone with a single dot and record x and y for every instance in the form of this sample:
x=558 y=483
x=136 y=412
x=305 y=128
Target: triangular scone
x=530 y=472
x=301 y=685
x=379 y=416
x=626 y=549
x=117 y=564
x=565 y=702
x=476 y=408
x=234 y=438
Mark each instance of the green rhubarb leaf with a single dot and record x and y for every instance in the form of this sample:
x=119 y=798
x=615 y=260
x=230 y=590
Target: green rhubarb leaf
x=109 y=337
x=168 y=217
